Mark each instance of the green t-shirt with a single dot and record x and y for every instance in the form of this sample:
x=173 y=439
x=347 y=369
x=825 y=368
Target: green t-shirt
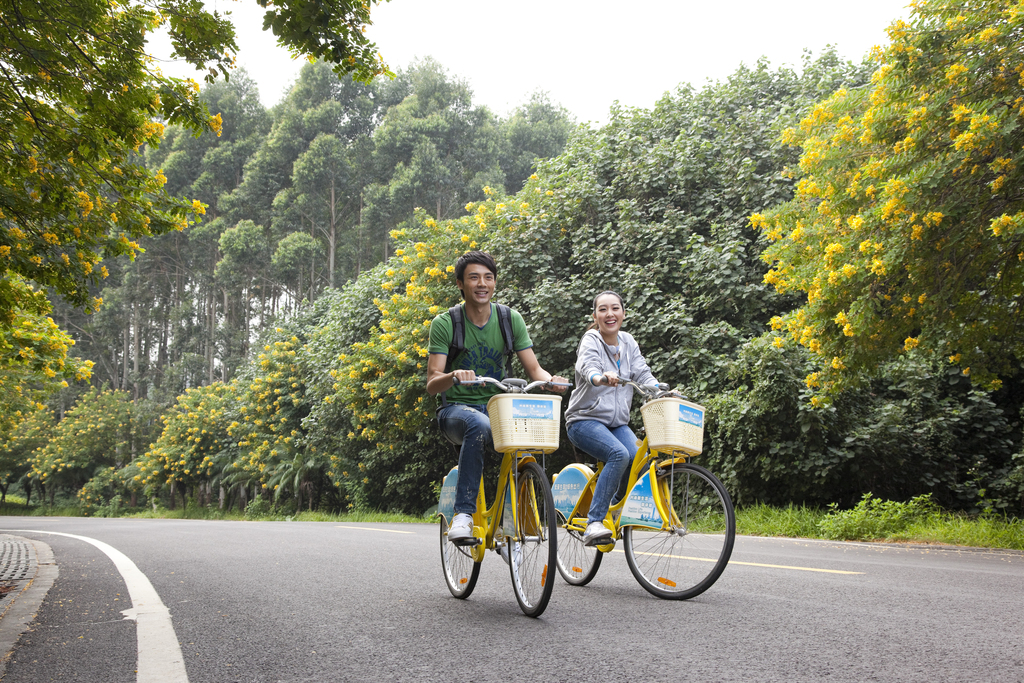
x=484 y=353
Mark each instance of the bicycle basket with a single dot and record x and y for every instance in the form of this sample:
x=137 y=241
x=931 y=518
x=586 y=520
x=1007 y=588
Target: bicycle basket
x=524 y=422
x=673 y=424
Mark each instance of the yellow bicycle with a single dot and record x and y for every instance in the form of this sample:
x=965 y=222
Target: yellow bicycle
x=520 y=525
x=677 y=522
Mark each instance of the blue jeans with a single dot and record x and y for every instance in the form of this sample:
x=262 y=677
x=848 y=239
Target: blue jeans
x=467 y=425
x=615 y=448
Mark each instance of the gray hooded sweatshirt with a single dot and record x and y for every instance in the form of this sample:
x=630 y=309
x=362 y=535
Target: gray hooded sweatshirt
x=607 y=405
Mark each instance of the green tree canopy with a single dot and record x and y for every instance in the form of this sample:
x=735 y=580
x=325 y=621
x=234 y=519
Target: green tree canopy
x=907 y=229
x=78 y=98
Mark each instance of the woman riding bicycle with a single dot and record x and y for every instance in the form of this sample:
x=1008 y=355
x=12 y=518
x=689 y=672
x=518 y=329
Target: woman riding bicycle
x=597 y=419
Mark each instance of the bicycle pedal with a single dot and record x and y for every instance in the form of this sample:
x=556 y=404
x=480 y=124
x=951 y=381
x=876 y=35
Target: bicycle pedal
x=468 y=542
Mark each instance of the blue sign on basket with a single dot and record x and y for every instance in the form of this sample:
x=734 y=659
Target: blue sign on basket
x=691 y=416
x=532 y=409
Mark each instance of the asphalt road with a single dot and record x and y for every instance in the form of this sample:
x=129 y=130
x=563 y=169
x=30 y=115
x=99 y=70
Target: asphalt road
x=286 y=601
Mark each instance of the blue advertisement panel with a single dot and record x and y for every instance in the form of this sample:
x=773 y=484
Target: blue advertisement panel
x=446 y=504
x=639 y=509
x=691 y=416
x=568 y=486
x=508 y=527
x=532 y=409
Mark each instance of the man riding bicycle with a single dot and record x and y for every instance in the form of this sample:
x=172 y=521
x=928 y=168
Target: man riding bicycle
x=478 y=341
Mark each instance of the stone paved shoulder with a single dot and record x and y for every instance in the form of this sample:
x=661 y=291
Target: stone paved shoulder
x=27 y=571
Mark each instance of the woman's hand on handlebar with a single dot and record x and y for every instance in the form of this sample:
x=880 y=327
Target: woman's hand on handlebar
x=608 y=379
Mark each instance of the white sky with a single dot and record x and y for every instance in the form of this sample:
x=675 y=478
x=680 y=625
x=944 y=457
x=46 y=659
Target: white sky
x=585 y=54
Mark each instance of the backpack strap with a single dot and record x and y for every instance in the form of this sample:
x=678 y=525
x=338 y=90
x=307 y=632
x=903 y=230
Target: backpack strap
x=457 y=345
x=505 y=320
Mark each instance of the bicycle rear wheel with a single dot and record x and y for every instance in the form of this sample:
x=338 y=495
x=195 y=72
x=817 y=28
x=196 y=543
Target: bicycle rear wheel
x=688 y=554
x=532 y=552
x=460 y=570
x=577 y=563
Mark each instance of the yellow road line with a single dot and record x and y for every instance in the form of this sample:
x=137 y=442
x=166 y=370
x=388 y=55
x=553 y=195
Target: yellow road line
x=370 y=528
x=750 y=564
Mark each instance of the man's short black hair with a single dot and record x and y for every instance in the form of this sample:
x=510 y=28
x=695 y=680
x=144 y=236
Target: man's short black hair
x=480 y=257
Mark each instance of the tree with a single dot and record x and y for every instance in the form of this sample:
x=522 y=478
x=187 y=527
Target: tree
x=34 y=357
x=907 y=229
x=536 y=130
x=77 y=99
x=321 y=176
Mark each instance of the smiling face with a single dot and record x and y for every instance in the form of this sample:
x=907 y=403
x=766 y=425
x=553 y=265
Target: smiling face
x=477 y=284
x=608 y=314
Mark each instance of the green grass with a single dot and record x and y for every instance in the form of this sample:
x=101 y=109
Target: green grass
x=916 y=521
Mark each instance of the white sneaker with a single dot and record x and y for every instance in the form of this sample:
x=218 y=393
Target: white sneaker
x=461 y=529
x=596 y=534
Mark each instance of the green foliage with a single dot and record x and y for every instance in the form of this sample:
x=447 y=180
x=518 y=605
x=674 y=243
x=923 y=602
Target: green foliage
x=653 y=205
x=196 y=444
x=32 y=433
x=916 y=430
x=34 y=361
x=258 y=508
x=335 y=33
x=792 y=521
x=96 y=433
x=875 y=519
x=906 y=230
x=77 y=101
x=101 y=495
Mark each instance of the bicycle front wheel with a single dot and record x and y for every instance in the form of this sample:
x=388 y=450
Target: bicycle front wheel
x=577 y=563
x=688 y=554
x=460 y=570
x=532 y=551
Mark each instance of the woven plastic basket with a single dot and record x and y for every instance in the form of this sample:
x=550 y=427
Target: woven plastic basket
x=673 y=424
x=524 y=422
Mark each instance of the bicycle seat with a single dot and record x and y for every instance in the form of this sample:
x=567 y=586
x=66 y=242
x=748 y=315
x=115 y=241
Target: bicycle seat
x=515 y=382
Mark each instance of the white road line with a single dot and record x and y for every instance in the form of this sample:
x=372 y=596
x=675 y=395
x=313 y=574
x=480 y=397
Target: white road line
x=370 y=528
x=160 y=658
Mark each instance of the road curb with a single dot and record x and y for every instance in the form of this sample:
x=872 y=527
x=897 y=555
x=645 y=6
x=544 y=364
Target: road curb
x=32 y=575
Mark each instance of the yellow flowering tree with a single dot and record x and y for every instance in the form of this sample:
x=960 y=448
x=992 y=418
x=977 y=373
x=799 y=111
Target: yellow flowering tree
x=95 y=433
x=907 y=228
x=34 y=360
x=33 y=431
x=195 y=446
x=275 y=448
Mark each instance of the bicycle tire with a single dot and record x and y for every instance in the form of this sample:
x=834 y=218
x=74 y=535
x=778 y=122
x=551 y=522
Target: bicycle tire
x=460 y=569
x=577 y=563
x=684 y=561
x=532 y=552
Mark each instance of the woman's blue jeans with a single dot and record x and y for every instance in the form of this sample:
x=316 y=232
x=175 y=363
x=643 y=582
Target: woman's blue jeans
x=615 y=448
x=467 y=425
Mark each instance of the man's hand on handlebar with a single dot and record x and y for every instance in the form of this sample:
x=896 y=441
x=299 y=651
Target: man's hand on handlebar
x=461 y=376
x=557 y=384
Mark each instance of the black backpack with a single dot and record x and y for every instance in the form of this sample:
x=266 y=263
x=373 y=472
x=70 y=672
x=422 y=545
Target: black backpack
x=459 y=339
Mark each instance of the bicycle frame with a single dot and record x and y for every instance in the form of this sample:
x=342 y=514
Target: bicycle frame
x=486 y=519
x=645 y=462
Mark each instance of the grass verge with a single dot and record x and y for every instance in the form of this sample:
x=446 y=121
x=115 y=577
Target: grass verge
x=915 y=521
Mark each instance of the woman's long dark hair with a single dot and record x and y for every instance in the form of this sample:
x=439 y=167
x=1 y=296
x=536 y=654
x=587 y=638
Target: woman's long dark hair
x=593 y=306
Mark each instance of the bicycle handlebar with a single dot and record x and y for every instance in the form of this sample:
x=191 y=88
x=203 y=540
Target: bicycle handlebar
x=652 y=391
x=510 y=385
